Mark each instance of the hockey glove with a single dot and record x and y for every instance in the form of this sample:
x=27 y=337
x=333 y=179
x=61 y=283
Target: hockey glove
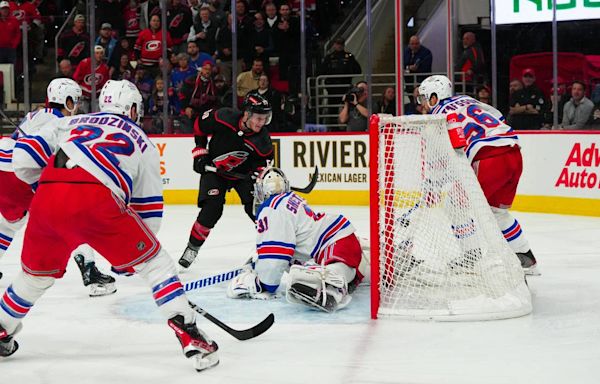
x=201 y=159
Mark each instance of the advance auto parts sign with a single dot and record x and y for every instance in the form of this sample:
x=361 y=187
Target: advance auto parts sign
x=342 y=160
x=535 y=11
x=582 y=168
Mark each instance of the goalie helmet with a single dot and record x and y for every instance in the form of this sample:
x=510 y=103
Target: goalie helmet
x=436 y=85
x=119 y=96
x=271 y=181
x=59 y=91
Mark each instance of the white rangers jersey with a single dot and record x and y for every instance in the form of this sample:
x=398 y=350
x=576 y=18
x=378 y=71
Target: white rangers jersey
x=118 y=153
x=31 y=143
x=483 y=124
x=289 y=231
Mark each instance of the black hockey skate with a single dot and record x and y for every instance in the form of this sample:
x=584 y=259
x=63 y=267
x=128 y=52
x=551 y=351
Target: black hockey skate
x=188 y=257
x=99 y=283
x=528 y=263
x=195 y=343
x=8 y=345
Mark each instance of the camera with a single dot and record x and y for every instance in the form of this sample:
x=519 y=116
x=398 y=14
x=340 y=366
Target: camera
x=353 y=94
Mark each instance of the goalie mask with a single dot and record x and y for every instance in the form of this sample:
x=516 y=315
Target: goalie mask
x=271 y=181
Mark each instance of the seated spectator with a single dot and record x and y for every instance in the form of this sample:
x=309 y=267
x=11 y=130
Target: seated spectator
x=483 y=95
x=11 y=35
x=28 y=11
x=274 y=97
x=106 y=41
x=594 y=121
x=578 y=110
x=83 y=76
x=557 y=103
x=123 y=47
x=65 y=69
x=224 y=92
x=74 y=43
x=197 y=58
x=124 y=71
x=528 y=105
x=144 y=82
x=354 y=113
x=387 y=104
x=156 y=104
x=181 y=73
x=414 y=108
x=247 y=81
x=261 y=40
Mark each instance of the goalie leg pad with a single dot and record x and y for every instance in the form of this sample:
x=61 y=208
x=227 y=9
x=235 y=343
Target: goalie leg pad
x=317 y=287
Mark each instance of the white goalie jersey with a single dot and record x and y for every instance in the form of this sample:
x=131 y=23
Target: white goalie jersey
x=289 y=231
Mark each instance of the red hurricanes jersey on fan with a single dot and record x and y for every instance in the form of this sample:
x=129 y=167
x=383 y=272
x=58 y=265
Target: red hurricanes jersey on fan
x=25 y=11
x=150 y=46
x=132 y=21
x=74 y=46
x=83 y=76
x=483 y=124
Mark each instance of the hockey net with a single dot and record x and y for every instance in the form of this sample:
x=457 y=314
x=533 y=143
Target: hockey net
x=439 y=253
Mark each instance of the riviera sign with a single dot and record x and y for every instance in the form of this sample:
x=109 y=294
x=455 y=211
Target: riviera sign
x=536 y=11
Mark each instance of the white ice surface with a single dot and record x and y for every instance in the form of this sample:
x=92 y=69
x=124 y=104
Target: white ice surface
x=71 y=338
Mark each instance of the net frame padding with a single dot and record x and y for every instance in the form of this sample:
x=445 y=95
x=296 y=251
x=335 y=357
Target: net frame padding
x=441 y=254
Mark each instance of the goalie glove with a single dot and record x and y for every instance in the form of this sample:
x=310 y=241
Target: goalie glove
x=246 y=285
x=455 y=131
x=201 y=159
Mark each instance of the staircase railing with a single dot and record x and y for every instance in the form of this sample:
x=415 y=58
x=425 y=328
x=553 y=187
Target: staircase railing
x=62 y=27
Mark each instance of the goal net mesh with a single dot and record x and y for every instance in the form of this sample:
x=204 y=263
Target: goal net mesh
x=442 y=255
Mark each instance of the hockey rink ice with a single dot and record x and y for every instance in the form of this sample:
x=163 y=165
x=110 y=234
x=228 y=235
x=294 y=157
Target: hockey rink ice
x=71 y=338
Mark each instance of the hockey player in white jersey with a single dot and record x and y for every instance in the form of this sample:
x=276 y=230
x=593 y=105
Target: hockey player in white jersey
x=493 y=149
x=320 y=250
x=22 y=158
x=106 y=176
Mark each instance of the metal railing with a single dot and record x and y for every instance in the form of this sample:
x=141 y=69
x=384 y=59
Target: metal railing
x=62 y=27
x=326 y=99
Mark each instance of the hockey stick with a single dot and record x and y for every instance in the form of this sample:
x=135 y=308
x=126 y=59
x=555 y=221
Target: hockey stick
x=11 y=122
x=211 y=280
x=245 y=334
x=241 y=176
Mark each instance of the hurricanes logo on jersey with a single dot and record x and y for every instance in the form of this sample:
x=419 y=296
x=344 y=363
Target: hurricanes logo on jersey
x=230 y=160
x=19 y=14
x=77 y=49
x=153 y=45
x=176 y=21
x=88 y=79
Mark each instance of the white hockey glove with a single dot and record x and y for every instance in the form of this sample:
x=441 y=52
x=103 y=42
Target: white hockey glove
x=246 y=285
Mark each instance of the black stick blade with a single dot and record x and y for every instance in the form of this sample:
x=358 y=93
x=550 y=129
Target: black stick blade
x=244 y=334
x=311 y=185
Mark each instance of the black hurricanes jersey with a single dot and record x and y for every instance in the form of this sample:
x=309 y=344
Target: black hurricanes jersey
x=229 y=149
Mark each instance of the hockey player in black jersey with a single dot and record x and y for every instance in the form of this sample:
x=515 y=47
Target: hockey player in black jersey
x=240 y=145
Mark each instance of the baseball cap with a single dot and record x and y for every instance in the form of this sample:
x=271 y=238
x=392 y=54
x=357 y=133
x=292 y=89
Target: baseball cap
x=106 y=26
x=528 y=71
x=79 y=17
x=4 y=4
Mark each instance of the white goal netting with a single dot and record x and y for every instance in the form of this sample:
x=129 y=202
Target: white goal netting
x=441 y=253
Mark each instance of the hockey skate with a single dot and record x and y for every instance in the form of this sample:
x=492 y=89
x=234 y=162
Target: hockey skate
x=196 y=345
x=188 y=257
x=528 y=263
x=99 y=283
x=8 y=345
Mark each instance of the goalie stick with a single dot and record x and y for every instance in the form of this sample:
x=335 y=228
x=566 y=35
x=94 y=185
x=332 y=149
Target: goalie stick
x=241 y=176
x=244 y=334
